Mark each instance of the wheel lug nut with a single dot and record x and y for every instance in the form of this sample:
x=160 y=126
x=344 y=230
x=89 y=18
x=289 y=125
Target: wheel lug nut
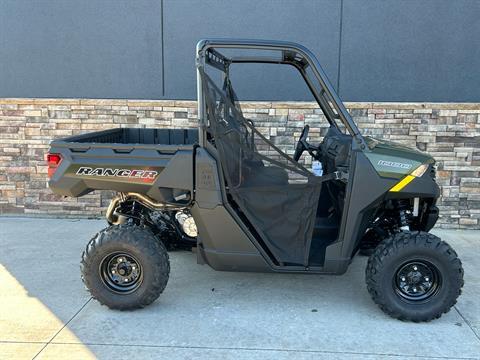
x=126 y=280
x=403 y=278
x=415 y=268
x=414 y=289
x=113 y=271
x=427 y=278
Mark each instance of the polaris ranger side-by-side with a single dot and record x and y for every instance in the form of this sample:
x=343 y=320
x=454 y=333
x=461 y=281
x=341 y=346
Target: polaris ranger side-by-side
x=248 y=206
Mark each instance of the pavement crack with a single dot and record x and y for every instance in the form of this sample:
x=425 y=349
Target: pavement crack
x=63 y=327
x=467 y=322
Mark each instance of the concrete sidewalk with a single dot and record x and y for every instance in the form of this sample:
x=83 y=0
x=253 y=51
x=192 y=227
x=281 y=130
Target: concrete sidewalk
x=46 y=312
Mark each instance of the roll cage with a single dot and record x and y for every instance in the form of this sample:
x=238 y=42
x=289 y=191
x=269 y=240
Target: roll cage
x=289 y=53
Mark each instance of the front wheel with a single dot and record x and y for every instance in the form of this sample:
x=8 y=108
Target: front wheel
x=414 y=276
x=125 y=267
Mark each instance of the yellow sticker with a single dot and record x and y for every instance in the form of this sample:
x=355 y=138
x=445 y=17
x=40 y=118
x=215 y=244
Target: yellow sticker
x=402 y=183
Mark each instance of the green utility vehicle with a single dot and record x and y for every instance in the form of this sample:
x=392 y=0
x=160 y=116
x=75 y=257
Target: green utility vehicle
x=245 y=205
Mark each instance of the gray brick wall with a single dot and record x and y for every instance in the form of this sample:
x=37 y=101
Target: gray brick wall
x=450 y=132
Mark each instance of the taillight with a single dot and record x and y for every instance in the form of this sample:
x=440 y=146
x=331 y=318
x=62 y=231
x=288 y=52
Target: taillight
x=53 y=160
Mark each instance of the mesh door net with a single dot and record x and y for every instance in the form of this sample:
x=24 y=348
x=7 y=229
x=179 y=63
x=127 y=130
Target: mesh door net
x=278 y=196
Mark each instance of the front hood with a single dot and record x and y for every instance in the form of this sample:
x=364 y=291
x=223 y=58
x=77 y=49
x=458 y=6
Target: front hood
x=394 y=160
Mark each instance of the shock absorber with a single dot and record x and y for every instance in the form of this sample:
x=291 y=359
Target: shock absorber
x=403 y=221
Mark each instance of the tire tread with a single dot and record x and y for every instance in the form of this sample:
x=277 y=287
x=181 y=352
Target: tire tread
x=140 y=237
x=390 y=247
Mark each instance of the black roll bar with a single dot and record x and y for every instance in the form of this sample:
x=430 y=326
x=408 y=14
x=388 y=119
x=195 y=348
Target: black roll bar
x=292 y=54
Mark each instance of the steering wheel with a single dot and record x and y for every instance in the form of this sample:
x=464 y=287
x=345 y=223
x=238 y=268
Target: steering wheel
x=302 y=143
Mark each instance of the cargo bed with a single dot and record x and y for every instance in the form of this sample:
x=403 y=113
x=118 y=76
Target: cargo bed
x=125 y=160
x=137 y=136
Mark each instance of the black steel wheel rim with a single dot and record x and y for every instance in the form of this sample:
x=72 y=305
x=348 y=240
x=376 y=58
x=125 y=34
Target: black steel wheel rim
x=417 y=281
x=121 y=272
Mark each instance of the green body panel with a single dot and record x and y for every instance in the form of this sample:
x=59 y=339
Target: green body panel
x=393 y=160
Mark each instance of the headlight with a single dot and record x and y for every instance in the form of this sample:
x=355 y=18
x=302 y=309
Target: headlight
x=419 y=171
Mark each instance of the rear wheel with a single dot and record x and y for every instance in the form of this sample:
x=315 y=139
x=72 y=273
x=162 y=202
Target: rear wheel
x=414 y=276
x=125 y=267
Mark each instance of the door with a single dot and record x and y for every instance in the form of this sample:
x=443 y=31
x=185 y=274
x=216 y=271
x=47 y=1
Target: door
x=276 y=196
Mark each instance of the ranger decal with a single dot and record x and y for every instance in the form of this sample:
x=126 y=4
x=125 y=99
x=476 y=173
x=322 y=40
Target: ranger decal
x=145 y=175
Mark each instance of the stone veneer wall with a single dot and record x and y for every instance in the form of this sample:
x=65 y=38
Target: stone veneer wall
x=448 y=131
